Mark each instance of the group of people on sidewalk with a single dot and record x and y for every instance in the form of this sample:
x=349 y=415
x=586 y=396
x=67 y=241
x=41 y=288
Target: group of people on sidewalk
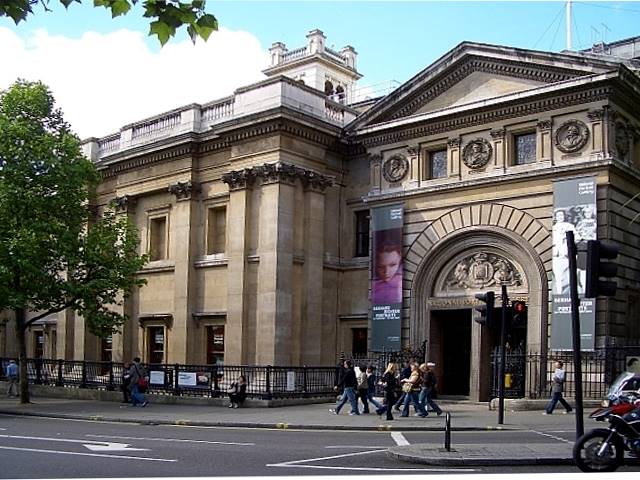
x=135 y=379
x=414 y=384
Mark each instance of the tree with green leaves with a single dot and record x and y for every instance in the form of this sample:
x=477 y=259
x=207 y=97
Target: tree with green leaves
x=167 y=15
x=56 y=251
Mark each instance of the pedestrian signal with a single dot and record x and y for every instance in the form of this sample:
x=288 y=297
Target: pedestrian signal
x=596 y=268
x=484 y=311
x=519 y=313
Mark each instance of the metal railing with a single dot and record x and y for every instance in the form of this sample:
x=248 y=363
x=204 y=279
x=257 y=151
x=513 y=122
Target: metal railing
x=263 y=382
x=529 y=374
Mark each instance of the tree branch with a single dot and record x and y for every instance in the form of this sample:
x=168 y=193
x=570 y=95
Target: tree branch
x=31 y=321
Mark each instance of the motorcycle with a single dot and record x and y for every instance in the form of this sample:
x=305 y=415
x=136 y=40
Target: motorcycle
x=602 y=449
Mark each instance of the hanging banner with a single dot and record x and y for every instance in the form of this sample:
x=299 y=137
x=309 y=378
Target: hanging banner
x=386 y=282
x=574 y=209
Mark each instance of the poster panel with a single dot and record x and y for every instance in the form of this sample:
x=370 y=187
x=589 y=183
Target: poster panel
x=574 y=209
x=386 y=281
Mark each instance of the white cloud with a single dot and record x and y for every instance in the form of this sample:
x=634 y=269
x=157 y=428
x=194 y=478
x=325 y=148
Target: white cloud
x=105 y=81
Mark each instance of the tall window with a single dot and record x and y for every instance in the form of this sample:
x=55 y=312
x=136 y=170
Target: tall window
x=438 y=164
x=216 y=230
x=38 y=344
x=215 y=344
x=362 y=233
x=158 y=238
x=525 y=148
x=359 y=342
x=107 y=348
x=155 y=344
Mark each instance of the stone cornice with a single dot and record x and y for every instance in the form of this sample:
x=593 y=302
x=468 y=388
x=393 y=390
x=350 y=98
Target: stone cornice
x=276 y=173
x=483 y=116
x=183 y=190
x=114 y=168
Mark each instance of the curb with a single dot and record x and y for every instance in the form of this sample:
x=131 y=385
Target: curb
x=458 y=461
x=279 y=425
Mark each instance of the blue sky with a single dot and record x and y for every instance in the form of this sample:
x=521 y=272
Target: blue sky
x=394 y=41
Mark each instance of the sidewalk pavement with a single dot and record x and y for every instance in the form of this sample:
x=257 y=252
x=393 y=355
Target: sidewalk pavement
x=465 y=416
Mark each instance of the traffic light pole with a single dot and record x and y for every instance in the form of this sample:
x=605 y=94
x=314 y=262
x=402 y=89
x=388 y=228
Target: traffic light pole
x=503 y=356
x=575 y=320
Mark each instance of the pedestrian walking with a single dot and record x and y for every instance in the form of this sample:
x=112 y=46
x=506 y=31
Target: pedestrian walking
x=138 y=378
x=238 y=392
x=11 y=372
x=363 y=388
x=411 y=386
x=125 y=383
x=371 y=387
x=348 y=383
x=557 y=387
x=390 y=384
x=429 y=382
x=404 y=373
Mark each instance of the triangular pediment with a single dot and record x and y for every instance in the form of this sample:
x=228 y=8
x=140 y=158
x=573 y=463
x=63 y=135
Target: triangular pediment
x=474 y=72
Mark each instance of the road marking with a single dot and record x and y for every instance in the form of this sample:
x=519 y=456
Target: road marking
x=96 y=446
x=298 y=463
x=560 y=439
x=399 y=438
x=124 y=457
x=155 y=439
x=357 y=446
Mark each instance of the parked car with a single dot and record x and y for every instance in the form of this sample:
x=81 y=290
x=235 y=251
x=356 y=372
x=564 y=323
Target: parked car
x=626 y=382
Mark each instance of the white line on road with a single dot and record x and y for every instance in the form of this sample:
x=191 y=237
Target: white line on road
x=356 y=446
x=399 y=438
x=155 y=439
x=560 y=439
x=124 y=457
x=94 y=445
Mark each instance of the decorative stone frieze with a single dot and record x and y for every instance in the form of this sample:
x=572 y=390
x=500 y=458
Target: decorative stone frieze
x=395 y=168
x=477 y=153
x=124 y=203
x=595 y=115
x=572 y=136
x=276 y=173
x=482 y=270
x=498 y=134
x=544 y=125
x=454 y=143
x=375 y=157
x=183 y=190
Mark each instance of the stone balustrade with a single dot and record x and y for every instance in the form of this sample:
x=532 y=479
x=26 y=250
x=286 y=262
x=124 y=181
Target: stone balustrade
x=269 y=94
x=294 y=54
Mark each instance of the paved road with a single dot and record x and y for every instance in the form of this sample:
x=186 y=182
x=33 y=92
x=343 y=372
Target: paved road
x=32 y=447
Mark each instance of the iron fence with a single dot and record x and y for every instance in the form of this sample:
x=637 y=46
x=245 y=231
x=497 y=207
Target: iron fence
x=263 y=382
x=529 y=374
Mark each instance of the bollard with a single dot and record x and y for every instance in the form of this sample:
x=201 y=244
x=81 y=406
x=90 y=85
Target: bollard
x=447 y=432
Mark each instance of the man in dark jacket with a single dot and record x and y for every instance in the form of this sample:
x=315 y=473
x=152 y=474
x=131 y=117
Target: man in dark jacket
x=348 y=383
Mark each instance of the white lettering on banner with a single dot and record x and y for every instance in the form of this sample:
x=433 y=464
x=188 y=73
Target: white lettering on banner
x=395 y=213
x=586 y=188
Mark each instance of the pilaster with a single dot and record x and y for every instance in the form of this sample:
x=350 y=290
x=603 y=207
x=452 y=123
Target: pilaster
x=599 y=142
x=415 y=166
x=544 y=150
x=453 y=154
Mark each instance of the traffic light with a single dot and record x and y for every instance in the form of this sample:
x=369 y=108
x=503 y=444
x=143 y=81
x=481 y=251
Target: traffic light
x=596 y=268
x=519 y=313
x=485 y=311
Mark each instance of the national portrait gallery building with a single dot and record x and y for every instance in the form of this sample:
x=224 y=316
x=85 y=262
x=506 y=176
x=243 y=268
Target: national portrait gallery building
x=288 y=223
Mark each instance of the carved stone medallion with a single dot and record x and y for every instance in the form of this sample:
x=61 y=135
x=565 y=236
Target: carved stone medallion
x=482 y=270
x=476 y=153
x=395 y=168
x=622 y=140
x=571 y=136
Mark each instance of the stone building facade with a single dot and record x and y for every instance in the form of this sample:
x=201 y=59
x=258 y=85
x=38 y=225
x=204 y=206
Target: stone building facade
x=254 y=209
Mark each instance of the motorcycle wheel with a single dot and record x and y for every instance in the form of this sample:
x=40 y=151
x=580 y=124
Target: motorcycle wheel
x=585 y=452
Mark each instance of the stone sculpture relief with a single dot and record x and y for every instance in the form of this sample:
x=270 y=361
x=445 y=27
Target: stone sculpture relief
x=476 y=153
x=482 y=270
x=572 y=136
x=622 y=140
x=395 y=168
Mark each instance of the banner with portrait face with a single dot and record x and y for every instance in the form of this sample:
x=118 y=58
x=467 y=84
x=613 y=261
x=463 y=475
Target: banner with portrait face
x=386 y=281
x=574 y=209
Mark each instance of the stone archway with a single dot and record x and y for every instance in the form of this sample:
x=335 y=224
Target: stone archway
x=504 y=232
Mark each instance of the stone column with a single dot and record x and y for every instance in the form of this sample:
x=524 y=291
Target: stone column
x=544 y=150
x=180 y=341
x=311 y=331
x=499 y=157
x=375 y=167
x=238 y=214
x=453 y=156
x=275 y=271
x=599 y=143
x=415 y=166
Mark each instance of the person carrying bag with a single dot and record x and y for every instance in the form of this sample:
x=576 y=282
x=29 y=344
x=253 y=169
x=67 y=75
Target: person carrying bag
x=138 y=383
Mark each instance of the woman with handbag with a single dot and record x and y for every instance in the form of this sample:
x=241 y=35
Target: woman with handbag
x=411 y=386
x=138 y=382
x=390 y=384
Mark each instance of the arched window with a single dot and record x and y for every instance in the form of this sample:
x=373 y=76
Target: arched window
x=340 y=95
x=328 y=88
